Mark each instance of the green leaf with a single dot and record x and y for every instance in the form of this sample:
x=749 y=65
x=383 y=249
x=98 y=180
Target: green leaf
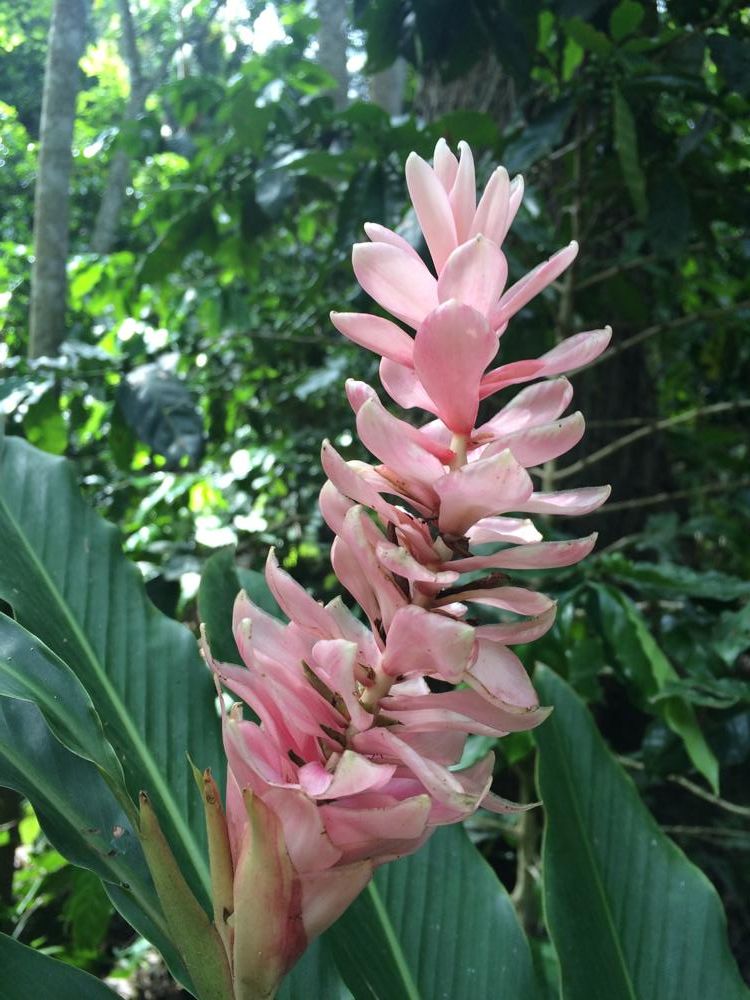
x=221 y=581
x=81 y=817
x=45 y=425
x=587 y=36
x=625 y=18
x=65 y=577
x=27 y=973
x=644 y=663
x=732 y=56
x=315 y=975
x=540 y=137
x=626 y=144
x=418 y=933
x=666 y=579
x=31 y=672
x=161 y=411
x=87 y=911
x=630 y=916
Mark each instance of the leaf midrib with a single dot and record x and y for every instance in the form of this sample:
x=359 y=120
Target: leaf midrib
x=583 y=838
x=390 y=935
x=162 y=789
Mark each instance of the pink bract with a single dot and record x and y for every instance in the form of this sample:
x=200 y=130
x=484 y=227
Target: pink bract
x=354 y=757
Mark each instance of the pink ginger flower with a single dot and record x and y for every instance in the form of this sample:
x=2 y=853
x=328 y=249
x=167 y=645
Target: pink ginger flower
x=354 y=760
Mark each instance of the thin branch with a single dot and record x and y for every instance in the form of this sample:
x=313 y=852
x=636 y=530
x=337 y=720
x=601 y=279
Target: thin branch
x=675 y=324
x=690 y=786
x=628 y=265
x=657 y=498
x=641 y=432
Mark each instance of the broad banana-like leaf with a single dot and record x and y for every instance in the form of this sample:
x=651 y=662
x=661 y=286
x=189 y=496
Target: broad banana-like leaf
x=27 y=973
x=435 y=926
x=630 y=916
x=80 y=815
x=65 y=577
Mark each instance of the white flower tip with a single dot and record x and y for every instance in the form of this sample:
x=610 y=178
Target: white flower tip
x=517 y=182
x=608 y=329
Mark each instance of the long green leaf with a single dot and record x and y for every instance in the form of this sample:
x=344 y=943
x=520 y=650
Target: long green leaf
x=626 y=144
x=27 y=973
x=81 y=817
x=437 y=926
x=630 y=916
x=65 y=577
x=315 y=975
x=643 y=662
x=31 y=672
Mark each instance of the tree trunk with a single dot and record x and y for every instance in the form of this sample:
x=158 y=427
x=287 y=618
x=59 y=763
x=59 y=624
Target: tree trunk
x=52 y=194
x=108 y=216
x=332 y=40
x=387 y=87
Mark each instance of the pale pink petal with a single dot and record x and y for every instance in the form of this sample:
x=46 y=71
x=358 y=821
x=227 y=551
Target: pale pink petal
x=492 y=211
x=355 y=774
x=353 y=630
x=368 y=831
x=576 y=351
x=294 y=600
x=349 y=481
x=376 y=334
x=398 y=282
x=451 y=351
x=326 y=894
x=432 y=207
x=360 y=535
x=475 y=273
x=398 y=444
x=536 y=445
x=510 y=374
x=488 y=486
x=534 y=405
x=352 y=576
x=445 y=164
x=403 y=386
x=402 y=563
x=314 y=779
x=443 y=746
x=533 y=283
x=269 y=635
x=497 y=804
x=422 y=642
x=464 y=710
x=515 y=197
x=441 y=783
x=335 y=662
x=516 y=599
x=503 y=529
x=463 y=196
x=570 y=503
x=333 y=506
x=499 y=675
x=380 y=234
x=523 y=631
x=545 y=555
